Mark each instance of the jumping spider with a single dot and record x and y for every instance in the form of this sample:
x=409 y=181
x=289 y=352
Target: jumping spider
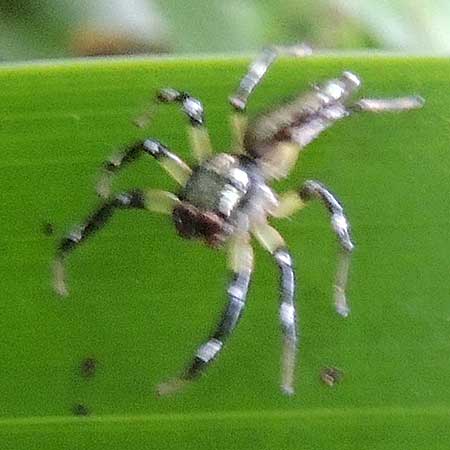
x=226 y=198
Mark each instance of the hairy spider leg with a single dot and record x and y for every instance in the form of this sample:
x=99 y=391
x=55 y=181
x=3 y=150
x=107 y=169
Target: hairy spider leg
x=241 y=265
x=380 y=105
x=238 y=125
x=250 y=81
x=272 y=241
x=292 y=201
x=173 y=164
x=259 y=68
x=151 y=200
x=277 y=137
x=315 y=190
x=288 y=204
x=193 y=108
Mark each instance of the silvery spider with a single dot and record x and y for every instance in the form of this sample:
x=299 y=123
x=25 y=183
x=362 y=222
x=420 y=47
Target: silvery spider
x=226 y=198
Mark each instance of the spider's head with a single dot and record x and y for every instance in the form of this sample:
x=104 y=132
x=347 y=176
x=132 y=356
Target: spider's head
x=212 y=199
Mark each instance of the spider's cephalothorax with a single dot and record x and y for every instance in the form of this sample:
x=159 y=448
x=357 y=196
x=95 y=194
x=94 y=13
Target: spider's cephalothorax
x=219 y=198
x=226 y=199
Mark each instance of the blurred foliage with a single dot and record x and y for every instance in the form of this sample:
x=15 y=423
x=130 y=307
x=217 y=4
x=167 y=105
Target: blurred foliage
x=60 y=28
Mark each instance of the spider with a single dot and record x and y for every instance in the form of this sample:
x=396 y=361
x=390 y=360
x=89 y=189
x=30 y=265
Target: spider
x=226 y=198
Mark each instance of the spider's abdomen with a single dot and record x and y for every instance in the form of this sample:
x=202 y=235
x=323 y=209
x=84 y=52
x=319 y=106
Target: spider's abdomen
x=213 y=197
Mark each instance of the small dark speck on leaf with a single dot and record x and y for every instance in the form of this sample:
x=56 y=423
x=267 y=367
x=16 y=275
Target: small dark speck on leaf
x=88 y=367
x=48 y=229
x=80 y=410
x=331 y=375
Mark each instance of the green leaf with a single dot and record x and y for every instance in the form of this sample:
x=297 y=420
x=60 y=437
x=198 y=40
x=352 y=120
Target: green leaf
x=142 y=299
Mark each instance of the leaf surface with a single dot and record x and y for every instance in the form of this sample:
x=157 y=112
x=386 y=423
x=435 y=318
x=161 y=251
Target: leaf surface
x=142 y=299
